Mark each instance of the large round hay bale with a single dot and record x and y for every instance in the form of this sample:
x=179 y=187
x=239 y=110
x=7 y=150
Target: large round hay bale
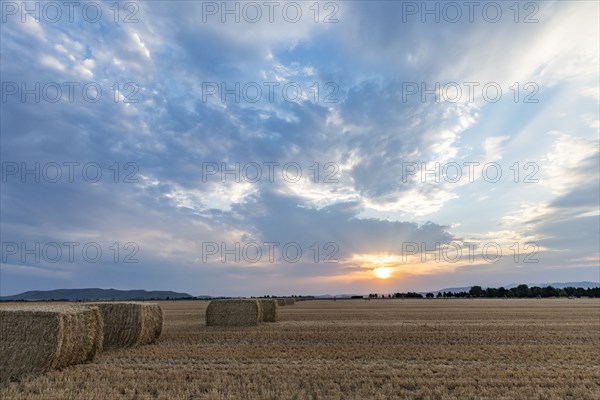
x=270 y=310
x=152 y=323
x=36 y=339
x=128 y=324
x=82 y=338
x=96 y=342
x=289 y=302
x=233 y=313
x=281 y=302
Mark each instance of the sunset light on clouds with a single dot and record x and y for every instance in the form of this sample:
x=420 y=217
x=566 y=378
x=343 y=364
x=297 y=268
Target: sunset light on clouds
x=242 y=158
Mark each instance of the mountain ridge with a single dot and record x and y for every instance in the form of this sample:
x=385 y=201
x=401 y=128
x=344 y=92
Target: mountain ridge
x=94 y=294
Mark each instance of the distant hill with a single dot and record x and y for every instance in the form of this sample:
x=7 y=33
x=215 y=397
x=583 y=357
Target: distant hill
x=451 y=290
x=95 y=294
x=337 y=296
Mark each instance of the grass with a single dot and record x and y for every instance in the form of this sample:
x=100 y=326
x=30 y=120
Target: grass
x=356 y=349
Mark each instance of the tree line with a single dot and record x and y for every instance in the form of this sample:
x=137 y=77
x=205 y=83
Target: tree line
x=518 y=292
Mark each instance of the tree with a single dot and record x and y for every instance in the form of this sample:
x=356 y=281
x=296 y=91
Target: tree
x=523 y=291
x=549 y=291
x=476 y=291
x=536 y=291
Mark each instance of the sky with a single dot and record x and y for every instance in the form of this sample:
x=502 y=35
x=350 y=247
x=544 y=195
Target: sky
x=256 y=148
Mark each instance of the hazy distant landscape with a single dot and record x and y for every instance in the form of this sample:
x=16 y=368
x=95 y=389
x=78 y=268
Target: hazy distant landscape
x=114 y=294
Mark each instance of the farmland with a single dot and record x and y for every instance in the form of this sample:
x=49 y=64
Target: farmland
x=352 y=349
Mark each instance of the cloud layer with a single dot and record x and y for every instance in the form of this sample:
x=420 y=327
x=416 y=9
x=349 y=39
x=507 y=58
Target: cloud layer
x=348 y=139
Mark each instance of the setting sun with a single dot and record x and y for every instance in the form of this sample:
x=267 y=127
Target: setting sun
x=382 y=272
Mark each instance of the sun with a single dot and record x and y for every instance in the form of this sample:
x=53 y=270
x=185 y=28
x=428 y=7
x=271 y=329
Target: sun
x=378 y=266
x=382 y=272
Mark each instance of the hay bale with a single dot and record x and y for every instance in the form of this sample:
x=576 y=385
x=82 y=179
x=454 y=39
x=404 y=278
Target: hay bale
x=289 y=302
x=233 y=313
x=152 y=323
x=129 y=324
x=270 y=310
x=37 y=339
x=94 y=343
x=281 y=302
x=78 y=345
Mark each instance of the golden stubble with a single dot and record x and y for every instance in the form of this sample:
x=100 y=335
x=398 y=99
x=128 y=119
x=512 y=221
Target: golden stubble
x=352 y=349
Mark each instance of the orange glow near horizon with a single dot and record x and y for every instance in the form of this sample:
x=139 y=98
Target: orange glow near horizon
x=389 y=266
x=379 y=266
x=382 y=272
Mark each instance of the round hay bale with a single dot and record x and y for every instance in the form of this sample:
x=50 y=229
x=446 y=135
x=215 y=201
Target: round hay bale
x=281 y=302
x=122 y=324
x=95 y=342
x=233 y=313
x=270 y=310
x=70 y=342
x=289 y=301
x=36 y=339
x=152 y=322
x=128 y=324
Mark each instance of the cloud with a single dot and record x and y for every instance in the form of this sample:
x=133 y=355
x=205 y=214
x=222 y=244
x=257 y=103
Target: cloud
x=570 y=163
x=493 y=147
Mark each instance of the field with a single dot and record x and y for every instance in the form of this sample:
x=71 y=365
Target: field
x=353 y=349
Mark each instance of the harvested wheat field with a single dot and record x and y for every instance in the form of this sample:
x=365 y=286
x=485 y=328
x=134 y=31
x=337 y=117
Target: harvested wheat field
x=129 y=324
x=36 y=339
x=353 y=349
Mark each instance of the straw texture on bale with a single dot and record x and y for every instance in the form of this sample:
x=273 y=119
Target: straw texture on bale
x=128 y=324
x=270 y=310
x=281 y=302
x=37 y=339
x=152 y=318
x=233 y=313
x=289 y=302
